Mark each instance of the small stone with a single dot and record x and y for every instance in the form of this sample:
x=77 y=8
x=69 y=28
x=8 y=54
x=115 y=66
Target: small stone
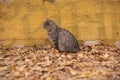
x=117 y=44
x=91 y=43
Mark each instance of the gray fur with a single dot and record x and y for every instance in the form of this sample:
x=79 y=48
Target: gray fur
x=62 y=39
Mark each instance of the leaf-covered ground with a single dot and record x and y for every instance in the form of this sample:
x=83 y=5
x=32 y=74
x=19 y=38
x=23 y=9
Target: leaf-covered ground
x=42 y=63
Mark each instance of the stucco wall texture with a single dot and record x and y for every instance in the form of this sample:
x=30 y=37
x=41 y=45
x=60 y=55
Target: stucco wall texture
x=21 y=21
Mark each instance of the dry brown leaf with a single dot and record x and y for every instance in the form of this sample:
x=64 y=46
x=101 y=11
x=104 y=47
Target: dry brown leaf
x=44 y=63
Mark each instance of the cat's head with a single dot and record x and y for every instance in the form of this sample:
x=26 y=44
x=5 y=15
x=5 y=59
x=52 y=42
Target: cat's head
x=50 y=25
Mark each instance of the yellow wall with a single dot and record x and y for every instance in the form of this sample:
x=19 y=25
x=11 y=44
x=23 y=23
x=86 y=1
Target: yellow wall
x=21 y=20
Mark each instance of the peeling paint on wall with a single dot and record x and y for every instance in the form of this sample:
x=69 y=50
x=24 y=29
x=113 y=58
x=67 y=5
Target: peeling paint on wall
x=21 y=20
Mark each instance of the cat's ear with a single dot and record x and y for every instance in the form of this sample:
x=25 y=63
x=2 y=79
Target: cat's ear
x=50 y=22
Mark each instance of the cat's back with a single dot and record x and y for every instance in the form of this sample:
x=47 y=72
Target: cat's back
x=67 y=42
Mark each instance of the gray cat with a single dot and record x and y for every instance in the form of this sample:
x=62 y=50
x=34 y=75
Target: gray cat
x=62 y=39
